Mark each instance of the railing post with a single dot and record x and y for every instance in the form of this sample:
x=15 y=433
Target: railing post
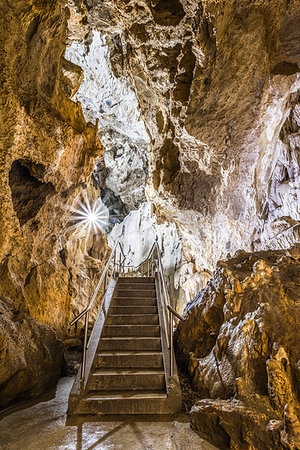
x=171 y=344
x=105 y=282
x=86 y=326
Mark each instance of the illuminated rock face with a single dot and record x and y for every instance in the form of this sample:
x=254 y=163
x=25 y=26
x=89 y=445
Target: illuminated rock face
x=240 y=343
x=46 y=160
x=217 y=83
x=112 y=102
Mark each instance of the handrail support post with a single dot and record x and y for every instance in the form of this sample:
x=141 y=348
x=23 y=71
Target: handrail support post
x=86 y=326
x=171 y=344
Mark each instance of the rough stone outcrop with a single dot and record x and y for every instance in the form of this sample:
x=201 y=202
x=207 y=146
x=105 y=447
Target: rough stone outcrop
x=46 y=160
x=240 y=342
x=47 y=153
x=217 y=83
x=109 y=99
x=30 y=355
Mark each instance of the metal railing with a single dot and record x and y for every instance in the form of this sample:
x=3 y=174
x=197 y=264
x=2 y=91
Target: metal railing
x=151 y=266
x=116 y=263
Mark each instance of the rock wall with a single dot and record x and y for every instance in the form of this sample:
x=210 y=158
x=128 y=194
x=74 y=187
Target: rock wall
x=217 y=83
x=109 y=100
x=30 y=355
x=46 y=159
x=240 y=343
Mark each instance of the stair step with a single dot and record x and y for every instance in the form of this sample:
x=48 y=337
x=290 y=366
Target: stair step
x=136 y=280
x=114 y=395
x=132 y=319
x=130 y=359
x=127 y=379
x=135 y=286
x=133 y=301
x=131 y=330
x=113 y=310
x=133 y=293
x=129 y=344
x=141 y=403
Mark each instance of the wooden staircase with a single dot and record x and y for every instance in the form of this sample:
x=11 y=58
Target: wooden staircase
x=128 y=374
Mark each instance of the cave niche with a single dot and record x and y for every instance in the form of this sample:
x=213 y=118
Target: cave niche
x=167 y=12
x=27 y=191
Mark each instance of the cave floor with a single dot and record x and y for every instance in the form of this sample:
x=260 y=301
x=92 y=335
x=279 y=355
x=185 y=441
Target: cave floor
x=42 y=424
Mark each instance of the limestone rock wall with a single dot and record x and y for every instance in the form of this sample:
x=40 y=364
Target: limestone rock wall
x=109 y=100
x=30 y=355
x=217 y=83
x=240 y=343
x=47 y=157
x=47 y=153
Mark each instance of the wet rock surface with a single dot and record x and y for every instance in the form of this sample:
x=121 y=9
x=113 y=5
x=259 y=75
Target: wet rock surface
x=240 y=342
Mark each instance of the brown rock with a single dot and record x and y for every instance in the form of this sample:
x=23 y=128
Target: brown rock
x=47 y=153
x=252 y=306
x=30 y=356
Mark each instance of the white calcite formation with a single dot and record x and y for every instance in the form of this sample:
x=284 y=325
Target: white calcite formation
x=112 y=102
x=138 y=232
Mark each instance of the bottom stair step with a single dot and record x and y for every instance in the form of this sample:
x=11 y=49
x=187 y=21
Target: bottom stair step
x=132 y=402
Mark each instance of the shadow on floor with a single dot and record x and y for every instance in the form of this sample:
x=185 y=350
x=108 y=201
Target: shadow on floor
x=126 y=421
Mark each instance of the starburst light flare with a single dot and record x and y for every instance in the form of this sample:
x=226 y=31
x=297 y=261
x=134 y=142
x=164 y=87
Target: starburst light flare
x=89 y=217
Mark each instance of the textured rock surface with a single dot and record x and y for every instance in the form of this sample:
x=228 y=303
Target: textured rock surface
x=30 y=355
x=110 y=101
x=46 y=159
x=240 y=341
x=217 y=83
x=137 y=234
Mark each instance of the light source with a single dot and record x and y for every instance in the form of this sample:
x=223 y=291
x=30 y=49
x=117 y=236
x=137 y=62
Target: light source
x=88 y=217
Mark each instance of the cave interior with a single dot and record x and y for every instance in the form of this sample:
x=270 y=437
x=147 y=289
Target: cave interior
x=150 y=196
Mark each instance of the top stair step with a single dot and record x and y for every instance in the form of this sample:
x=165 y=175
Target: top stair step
x=136 y=280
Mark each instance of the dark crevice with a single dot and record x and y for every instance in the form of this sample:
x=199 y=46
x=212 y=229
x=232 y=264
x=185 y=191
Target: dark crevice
x=167 y=12
x=185 y=77
x=285 y=68
x=28 y=193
